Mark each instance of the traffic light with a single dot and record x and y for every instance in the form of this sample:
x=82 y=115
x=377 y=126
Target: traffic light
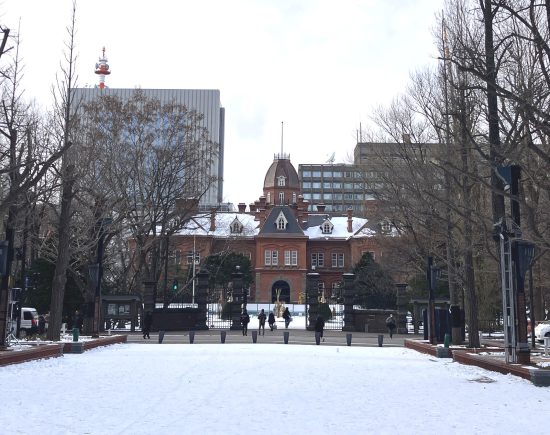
x=175 y=286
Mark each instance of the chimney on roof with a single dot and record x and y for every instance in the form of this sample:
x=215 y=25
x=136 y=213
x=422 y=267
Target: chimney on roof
x=213 y=220
x=252 y=207
x=321 y=208
x=350 y=220
x=242 y=207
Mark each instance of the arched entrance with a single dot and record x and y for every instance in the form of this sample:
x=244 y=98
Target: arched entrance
x=285 y=291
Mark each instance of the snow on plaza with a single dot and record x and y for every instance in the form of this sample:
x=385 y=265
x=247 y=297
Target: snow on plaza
x=264 y=388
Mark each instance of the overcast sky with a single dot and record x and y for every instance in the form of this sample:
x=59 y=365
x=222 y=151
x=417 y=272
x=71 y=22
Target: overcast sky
x=319 y=66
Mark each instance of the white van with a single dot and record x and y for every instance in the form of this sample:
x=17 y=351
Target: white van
x=29 y=320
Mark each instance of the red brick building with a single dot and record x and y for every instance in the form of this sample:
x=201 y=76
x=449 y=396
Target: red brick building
x=282 y=239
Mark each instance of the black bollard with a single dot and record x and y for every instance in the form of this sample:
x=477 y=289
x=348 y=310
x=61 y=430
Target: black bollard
x=161 y=336
x=254 y=336
x=348 y=339
x=222 y=336
x=285 y=336
x=380 y=339
x=191 y=337
x=317 y=338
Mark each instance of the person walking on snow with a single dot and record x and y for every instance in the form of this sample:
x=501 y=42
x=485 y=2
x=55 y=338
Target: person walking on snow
x=287 y=317
x=319 y=326
x=245 y=318
x=390 y=323
x=271 y=320
x=147 y=322
x=261 y=319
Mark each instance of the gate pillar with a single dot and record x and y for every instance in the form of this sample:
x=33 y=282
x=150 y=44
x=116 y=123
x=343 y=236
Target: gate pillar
x=312 y=299
x=235 y=306
x=401 y=309
x=202 y=288
x=349 y=296
x=149 y=296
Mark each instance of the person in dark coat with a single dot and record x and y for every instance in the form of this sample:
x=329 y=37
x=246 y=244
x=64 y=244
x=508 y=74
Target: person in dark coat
x=390 y=323
x=261 y=320
x=147 y=322
x=245 y=318
x=320 y=325
x=78 y=321
x=271 y=320
x=41 y=325
x=287 y=317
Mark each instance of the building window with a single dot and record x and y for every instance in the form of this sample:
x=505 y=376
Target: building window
x=177 y=257
x=306 y=174
x=291 y=258
x=269 y=197
x=271 y=258
x=337 y=174
x=281 y=197
x=386 y=226
x=294 y=198
x=236 y=227
x=281 y=181
x=316 y=174
x=306 y=185
x=327 y=228
x=316 y=185
x=372 y=254
x=317 y=259
x=327 y=185
x=337 y=259
x=190 y=257
x=247 y=255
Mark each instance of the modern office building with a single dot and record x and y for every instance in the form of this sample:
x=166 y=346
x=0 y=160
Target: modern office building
x=338 y=186
x=204 y=101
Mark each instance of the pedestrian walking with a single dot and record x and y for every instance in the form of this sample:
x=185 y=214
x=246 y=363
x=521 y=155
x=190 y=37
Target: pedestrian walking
x=320 y=326
x=245 y=318
x=147 y=322
x=271 y=320
x=261 y=320
x=390 y=323
x=287 y=317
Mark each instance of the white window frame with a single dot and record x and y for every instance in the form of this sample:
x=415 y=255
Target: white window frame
x=281 y=181
x=274 y=258
x=267 y=257
x=338 y=259
x=291 y=258
x=281 y=197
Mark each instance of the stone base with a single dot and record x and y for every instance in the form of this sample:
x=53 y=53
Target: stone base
x=77 y=347
x=540 y=377
x=442 y=352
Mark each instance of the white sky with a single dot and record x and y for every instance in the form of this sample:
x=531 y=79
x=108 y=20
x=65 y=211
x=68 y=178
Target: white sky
x=265 y=389
x=319 y=66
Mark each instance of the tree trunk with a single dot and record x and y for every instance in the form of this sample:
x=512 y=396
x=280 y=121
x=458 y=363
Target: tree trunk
x=63 y=254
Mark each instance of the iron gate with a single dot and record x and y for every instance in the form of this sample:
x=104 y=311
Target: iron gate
x=335 y=321
x=215 y=316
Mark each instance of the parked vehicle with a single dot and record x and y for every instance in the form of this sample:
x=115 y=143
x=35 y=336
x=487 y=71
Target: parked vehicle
x=542 y=330
x=29 y=320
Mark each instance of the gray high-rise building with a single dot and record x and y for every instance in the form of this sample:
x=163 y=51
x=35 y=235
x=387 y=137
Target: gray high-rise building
x=205 y=101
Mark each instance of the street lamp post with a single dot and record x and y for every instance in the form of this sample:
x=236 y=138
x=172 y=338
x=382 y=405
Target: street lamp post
x=432 y=274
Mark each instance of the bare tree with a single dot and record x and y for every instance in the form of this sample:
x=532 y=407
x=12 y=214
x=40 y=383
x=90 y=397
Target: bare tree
x=65 y=118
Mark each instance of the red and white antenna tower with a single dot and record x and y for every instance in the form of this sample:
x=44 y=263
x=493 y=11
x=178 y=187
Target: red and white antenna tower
x=102 y=68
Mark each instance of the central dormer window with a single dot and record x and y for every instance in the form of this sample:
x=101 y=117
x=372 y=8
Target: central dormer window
x=236 y=227
x=327 y=227
x=281 y=221
x=281 y=181
x=281 y=197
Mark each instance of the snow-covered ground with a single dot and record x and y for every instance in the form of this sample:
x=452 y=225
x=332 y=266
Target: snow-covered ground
x=264 y=389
